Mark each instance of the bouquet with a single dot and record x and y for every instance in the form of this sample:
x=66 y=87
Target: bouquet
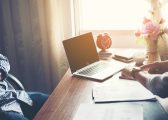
x=149 y=34
x=150 y=31
x=154 y=33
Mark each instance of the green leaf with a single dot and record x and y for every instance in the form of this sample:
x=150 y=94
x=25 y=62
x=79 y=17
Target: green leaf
x=140 y=40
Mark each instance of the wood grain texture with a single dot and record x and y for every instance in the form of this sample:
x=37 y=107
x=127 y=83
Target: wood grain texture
x=68 y=95
x=72 y=91
x=66 y=98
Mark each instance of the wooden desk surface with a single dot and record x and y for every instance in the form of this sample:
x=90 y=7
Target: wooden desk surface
x=67 y=96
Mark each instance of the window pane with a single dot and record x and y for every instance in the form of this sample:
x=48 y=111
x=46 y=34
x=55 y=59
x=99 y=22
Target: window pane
x=112 y=14
x=164 y=13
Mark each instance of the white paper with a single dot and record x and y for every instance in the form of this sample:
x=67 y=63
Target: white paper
x=121 y=90
x=109 y=112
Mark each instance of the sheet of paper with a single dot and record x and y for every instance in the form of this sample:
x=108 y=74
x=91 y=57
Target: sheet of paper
x=121 y=90
x=109 y=112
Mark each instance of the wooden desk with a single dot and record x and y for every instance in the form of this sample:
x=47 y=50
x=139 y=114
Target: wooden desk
x=71 y=92
x=67 y=96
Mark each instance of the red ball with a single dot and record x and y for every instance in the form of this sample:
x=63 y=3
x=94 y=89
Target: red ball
x=104 y=41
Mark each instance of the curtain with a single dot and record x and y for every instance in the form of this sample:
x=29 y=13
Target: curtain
x=31 y=34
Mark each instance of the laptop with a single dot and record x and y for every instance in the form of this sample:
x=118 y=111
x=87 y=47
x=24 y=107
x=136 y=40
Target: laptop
x=84 y=61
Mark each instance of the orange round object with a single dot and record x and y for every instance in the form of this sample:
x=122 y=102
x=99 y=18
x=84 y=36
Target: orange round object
x=104 y=41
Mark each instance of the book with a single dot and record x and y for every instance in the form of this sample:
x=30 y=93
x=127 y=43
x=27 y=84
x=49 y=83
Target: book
x=125 y=53
x=123 y=59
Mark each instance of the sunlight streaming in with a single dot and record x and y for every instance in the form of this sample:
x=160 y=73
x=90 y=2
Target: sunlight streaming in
x=112 y=14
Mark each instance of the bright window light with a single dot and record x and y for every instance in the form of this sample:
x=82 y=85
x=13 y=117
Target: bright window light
x=164 y=13
x=112 y=14
x=120 y=18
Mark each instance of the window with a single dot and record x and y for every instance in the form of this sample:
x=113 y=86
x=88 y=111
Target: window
x=112 y=14
x=164 y=13
x=119 y=17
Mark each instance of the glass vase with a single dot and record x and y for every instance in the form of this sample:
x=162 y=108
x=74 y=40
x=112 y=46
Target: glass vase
x=152 y=51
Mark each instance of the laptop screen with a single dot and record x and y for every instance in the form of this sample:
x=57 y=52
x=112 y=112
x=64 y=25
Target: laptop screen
x=80 y=51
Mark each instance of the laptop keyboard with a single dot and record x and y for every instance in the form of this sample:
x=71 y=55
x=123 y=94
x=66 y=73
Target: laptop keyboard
x=96 y=68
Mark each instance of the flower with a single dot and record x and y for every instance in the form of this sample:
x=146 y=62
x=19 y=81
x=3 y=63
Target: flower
x=150 y=30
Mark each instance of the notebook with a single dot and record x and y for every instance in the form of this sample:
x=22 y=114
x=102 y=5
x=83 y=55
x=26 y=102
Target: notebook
x=84 y=60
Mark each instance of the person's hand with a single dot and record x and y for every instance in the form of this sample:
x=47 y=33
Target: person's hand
x=154 y=68
x=126 y=73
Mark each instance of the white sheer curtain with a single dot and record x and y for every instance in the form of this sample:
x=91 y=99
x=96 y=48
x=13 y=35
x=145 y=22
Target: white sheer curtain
x=59 y=28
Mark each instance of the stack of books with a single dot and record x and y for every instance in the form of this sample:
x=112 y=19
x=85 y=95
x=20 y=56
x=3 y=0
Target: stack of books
x=124 y=55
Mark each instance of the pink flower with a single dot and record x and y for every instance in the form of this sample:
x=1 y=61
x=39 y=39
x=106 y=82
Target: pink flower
x=146 y=20
x=151 y=29
x=137 y=33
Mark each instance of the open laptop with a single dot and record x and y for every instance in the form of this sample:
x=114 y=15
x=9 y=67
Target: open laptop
x=84 y=60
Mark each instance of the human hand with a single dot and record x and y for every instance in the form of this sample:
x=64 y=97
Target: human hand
x=154 y=68
x=126 y=73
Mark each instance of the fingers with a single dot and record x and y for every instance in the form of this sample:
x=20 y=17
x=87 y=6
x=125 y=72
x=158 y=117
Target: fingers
x=144 y=67
x=149 y=67
x=126 y=73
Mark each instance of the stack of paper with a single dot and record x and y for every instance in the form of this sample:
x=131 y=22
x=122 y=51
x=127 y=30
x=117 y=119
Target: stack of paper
x=121 y=90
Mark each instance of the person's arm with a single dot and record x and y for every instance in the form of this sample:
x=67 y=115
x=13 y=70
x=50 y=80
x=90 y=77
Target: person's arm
x=157 y=67
x=130 y=72
x=156 y=83
x=4 y=67
x=143 y=77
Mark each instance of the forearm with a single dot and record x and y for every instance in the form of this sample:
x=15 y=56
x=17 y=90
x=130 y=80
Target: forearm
x=164 y=65
x=143 y=77
x=157 y=84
